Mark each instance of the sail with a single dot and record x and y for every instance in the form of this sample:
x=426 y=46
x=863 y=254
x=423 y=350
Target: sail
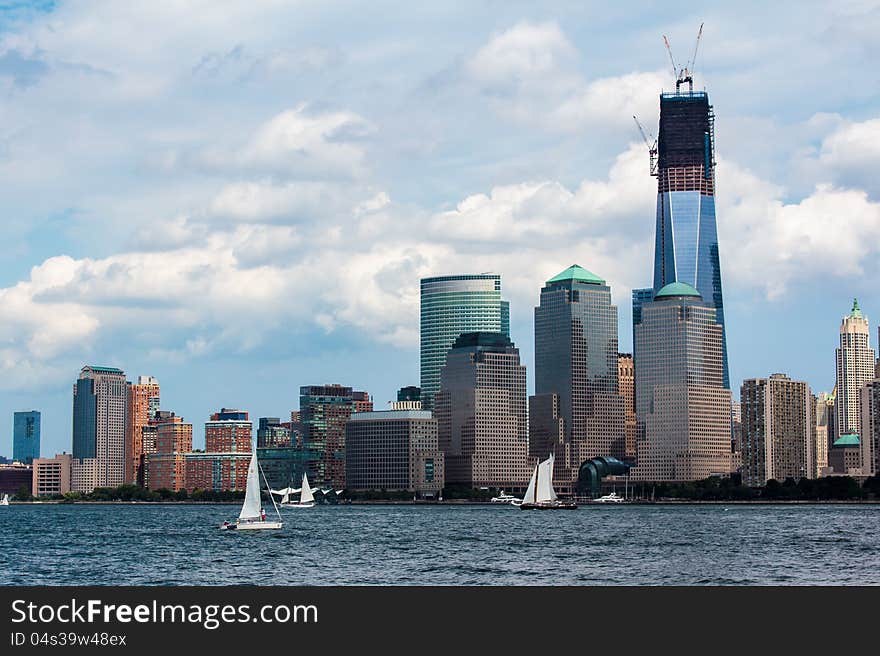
x=529 y=496
x=306 y=495
x=545 y=491
x=252 y=504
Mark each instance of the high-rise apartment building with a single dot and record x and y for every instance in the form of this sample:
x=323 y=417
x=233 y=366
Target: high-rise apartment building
x=100 y=397
x=778 y=430
x=481 y=413
x=26 y=436
x=228 y=431
x=324 y=411
x=869 y=443
x=855 y=367
x=451 y=306
x=686 y=238
x=682 y=406
x=143 y=403
x=394 y=450
x=166 y=467
x=271 y=434
x=576 y=360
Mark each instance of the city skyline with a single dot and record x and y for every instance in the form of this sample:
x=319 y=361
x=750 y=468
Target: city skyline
x=553 y=160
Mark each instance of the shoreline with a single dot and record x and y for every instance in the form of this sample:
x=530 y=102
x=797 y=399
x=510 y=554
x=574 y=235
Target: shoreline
x=465 y=502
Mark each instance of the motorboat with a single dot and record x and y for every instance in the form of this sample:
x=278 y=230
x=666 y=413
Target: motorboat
x=610 y=498
x=506 y=498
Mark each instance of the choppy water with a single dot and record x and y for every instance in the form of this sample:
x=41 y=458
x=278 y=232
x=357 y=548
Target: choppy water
x=431 y=545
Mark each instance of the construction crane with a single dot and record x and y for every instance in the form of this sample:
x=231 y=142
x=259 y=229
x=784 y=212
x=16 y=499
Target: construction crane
x=651 y=144
x=684 y=74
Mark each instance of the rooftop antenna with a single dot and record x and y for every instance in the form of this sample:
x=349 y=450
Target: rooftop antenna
x=651 y=144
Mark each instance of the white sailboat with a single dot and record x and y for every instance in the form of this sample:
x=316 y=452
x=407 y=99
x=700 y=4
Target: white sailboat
x=5 y=500
x=540 y=494
x=306 y=496
x=252 y=517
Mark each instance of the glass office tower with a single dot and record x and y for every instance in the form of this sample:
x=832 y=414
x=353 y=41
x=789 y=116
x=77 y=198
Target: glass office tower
x=26 y=436
x=686 y=246
x=452 y=306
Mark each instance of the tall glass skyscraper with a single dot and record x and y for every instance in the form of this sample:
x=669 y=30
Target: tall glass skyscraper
x=26 y=436
x=576 y=360
x=100 y=396
x=686 y=239
x=452 y=306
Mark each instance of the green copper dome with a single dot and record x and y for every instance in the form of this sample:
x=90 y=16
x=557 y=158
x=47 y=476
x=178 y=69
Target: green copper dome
x=677 y=289
x=847 y=439
x=578 y=273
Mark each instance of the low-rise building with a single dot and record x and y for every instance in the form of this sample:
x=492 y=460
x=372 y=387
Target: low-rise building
x=51 y=476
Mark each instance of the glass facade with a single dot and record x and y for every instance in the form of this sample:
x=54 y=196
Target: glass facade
x=451 y=306
x=686 y=239
x=26 y=436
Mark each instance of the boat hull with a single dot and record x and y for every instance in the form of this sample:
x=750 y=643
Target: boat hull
x=252 y=526
x=310 y=504
x=559 y=505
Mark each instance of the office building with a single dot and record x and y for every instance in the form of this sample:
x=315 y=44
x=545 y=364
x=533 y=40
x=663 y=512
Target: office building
x=14 y=477
x=686 y=239
x=394 y=450
x=576 y=360
x=51 y=476
x=682 y=407
x=408 y=398
x=143 y=403
x=626 y=378
x=778 y=438
x=451 y=306
x=100 y=397
x=481 y=413
x=855 y=367
x=825 y=433
x=270 y=433
x=26 y=436
x=845 y=456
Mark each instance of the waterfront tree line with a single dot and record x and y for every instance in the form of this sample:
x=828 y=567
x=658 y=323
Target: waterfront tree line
x=832 y=488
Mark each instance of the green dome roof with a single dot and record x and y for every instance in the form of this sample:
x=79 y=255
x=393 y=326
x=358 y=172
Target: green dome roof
x=578 y=273
x=847 y=439
x=856 y=310
x=677 y=289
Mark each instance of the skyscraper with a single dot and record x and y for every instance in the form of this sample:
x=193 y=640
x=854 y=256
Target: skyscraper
x=576 y=359
x=143 y=403
x=778 y=430
x=26 y=436
x=626 y=378
x=686 y=240
x=481 y=413
x=100 y=396
x=451 y=306
x=855 y=367
x=682 y=406
x=825 y=432
x=870 y=435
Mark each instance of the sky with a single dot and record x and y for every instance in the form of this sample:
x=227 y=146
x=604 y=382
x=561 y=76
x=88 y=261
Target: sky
x=240 y=198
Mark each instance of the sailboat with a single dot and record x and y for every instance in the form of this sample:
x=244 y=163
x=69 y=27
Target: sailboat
x=540 y=494
x=252 y=516
x=5 y=500
x=306 y=497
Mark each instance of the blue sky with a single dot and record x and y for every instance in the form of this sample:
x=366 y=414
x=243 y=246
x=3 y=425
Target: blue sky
x=241 y=201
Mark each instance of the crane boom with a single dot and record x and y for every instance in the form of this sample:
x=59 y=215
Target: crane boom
x=696 y=47
x=671 y=58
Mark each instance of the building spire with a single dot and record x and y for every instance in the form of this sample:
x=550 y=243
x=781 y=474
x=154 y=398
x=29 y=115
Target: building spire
x=856 y=311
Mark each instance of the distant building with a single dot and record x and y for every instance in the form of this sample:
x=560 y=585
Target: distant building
x=408 y=398
x=855 y=367
x=270 y=433
x=778 y=439
x=451 y=306
x=100 y=397
x=682 y=407
x=481 y=413
x=845 y=456
x=14 y=477
x=220 y=472
x=143 y=403
x=228 y=431
x=626 y=379
x=363 y=402
x=393 y=450
x=166 y=468
x=51 y=476
x=870 y=435
x=576 y=360
x=26 y=436
x=824 y=429
x=284 y=466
